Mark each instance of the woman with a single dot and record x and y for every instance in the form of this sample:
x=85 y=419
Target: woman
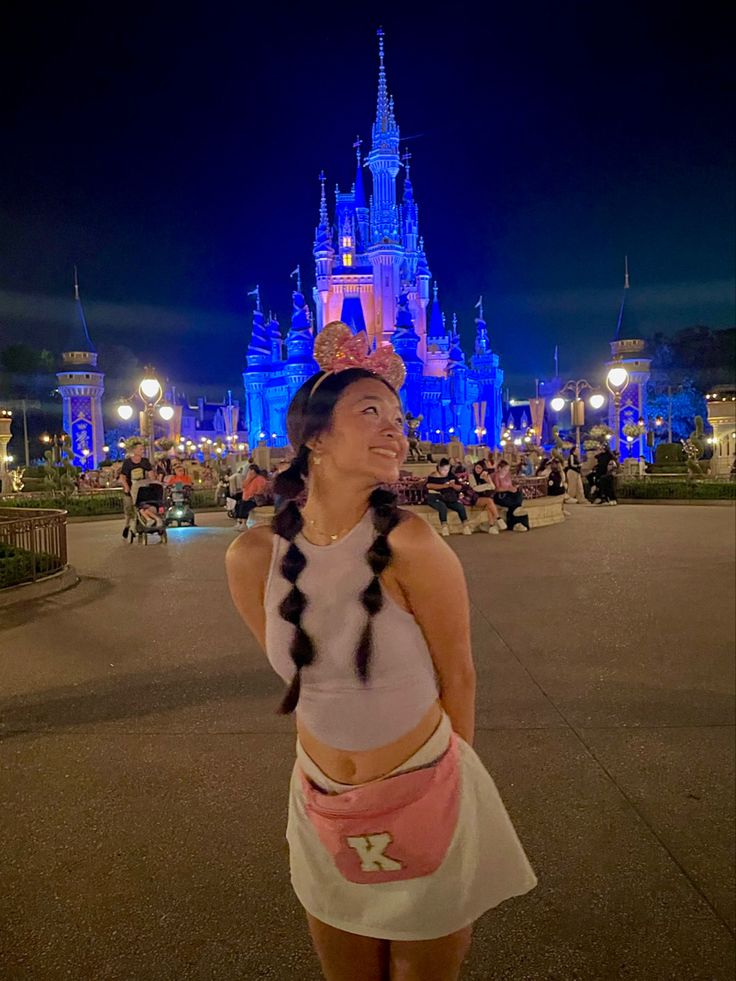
x=573 y=473
x=384 y=688
x=443 y=494
x=254 y=487
x=481 y=483
x=510 y=497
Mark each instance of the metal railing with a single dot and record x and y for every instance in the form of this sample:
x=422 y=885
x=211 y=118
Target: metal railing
x=32 y=544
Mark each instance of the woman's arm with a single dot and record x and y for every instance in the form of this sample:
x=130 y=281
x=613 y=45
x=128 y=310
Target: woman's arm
x=431 y=578
x=247 y=562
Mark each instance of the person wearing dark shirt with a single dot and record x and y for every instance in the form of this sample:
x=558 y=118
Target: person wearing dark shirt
x=605 y=481
x=135 y=467
x=443 y=494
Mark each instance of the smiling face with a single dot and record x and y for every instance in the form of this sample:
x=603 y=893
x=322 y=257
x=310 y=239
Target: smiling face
x=365 y=438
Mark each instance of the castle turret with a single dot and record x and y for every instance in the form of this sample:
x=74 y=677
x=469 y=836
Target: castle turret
x=300 y=364
x=324 y=255
x=81 y=386
x=437 y=341
x=386 y=252
x=627 y=350
x=255 y=377
x=406 y=341
x=274 y=336
x=489 y=378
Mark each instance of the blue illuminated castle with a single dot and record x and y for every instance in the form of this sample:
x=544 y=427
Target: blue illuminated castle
x=372 y=273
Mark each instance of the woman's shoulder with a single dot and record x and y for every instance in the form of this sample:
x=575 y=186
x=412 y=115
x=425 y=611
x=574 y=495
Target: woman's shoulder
x=413 y=535
x=252 y=549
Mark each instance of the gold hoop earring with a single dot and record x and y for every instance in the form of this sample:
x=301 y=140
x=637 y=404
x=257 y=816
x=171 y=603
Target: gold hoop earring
x=316 y=460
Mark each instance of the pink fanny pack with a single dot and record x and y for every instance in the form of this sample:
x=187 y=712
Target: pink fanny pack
x=392 y=829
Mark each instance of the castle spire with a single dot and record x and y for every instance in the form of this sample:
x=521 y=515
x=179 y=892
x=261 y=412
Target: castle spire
x=382 y=103
x=626 y=272
x=79 y=339
x=359 y=188
x=322 y=199
x=436 y=321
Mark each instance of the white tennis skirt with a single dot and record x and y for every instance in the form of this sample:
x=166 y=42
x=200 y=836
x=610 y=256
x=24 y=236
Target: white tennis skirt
x=484 y=865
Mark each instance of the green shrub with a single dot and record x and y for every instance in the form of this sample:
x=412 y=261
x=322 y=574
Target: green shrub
x=677 y=490
x=655 y=468
x=669 y=453
x=31 y=484
x=16 y=565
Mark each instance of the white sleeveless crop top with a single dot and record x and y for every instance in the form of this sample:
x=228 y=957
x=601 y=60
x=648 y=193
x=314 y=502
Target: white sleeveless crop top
x=335 y=704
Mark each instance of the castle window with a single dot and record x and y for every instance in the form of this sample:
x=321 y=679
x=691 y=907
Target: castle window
x=347 y=242
x=347 y=259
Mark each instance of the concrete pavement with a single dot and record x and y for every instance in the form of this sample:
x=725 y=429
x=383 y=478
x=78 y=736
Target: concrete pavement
x=144 y=773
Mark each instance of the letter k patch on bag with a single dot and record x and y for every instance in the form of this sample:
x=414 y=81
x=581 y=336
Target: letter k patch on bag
x=392 y=829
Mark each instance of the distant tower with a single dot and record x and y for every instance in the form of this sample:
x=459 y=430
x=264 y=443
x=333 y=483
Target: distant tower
x=438 y=343
x=626 y=352
x=300 y=364
x=386 y=251
x=256 y=375
x=406 y=341
x=81 y=387
x=490 y=382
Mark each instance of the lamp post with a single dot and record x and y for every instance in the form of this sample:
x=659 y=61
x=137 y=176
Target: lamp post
x=150 y=393
x=617 y=381
x=573 y=389
x=57 y=442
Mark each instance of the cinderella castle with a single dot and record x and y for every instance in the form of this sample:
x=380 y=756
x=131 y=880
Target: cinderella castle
x=372 y=273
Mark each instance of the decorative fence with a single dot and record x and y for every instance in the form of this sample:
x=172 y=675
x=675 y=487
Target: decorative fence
x=32 y=544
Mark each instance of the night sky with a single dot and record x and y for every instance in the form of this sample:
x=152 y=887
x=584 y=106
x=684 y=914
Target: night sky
x=174 y=157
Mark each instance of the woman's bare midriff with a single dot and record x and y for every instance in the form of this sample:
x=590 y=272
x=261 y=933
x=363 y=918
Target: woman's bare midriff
x=351 y=766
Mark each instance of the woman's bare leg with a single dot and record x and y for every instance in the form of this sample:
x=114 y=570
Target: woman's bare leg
x=430 y=960
x=348 y=956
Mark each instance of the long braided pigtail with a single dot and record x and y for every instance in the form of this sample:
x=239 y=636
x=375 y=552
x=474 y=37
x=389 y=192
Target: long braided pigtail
x=287 y=524
x=385 y=519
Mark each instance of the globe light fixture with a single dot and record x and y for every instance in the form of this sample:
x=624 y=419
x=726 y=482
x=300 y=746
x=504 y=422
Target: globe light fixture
x=125 y=411
x=597 y=401
x=121 y=444
x=166 y=412
x=558 y=404
x=618 y=378
x=150 y=389
x=106 y=449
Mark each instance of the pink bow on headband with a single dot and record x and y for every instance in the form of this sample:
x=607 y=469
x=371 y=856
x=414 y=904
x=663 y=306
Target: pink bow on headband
x=337 y=348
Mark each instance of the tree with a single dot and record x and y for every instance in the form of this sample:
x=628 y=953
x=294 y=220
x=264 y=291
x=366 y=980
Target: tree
x=686 y=403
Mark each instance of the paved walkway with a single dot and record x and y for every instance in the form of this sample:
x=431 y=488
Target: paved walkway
x=144 y=774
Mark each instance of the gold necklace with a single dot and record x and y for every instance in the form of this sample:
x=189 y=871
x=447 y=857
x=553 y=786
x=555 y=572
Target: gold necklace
x=326 y=534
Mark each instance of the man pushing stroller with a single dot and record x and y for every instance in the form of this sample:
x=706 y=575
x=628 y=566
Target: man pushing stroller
x=135 y=469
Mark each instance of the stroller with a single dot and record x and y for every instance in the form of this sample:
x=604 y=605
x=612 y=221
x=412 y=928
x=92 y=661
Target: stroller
x=149 y=513
x=179 y=505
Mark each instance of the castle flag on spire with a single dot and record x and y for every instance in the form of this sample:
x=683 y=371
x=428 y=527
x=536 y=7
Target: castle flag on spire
x=257 y=294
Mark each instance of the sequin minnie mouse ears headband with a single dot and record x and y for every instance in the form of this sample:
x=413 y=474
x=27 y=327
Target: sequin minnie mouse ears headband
x=337 y=348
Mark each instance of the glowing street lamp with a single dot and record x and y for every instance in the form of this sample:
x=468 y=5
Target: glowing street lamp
x=166 y=412
x=617 y=381
x=574 y=389
x=125 y=411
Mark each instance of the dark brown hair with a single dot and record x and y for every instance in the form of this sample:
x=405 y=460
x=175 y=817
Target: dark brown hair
x=309 y=415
